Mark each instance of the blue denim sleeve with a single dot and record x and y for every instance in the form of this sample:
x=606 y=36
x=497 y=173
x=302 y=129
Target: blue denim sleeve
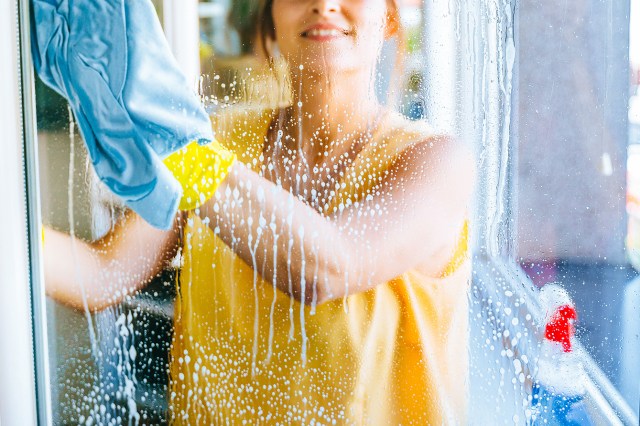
x=133 y=105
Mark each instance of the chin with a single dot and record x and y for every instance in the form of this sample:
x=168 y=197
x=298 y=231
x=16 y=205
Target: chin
x=329 y=65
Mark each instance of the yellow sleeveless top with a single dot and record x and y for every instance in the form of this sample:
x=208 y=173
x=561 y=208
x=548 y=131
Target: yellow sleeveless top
x=244 y=352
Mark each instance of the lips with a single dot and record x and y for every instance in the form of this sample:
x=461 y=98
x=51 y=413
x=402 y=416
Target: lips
x=324 y=32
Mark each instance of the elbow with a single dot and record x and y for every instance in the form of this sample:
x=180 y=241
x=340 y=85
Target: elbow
x=317 y=290
x=101 y=304
x=94 y=308
x=322 y=277
x=313 y=289
x=78 y=302
x=318 y=294
x=339 y=274
x=308 y=291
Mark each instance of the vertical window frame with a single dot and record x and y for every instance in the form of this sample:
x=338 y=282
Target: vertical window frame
x=21 y=399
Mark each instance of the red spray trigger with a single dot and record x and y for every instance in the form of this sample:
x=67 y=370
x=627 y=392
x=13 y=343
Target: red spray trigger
x=560 y=326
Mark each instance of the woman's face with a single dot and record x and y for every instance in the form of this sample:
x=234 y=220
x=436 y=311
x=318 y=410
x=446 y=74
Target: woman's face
x=330 y=35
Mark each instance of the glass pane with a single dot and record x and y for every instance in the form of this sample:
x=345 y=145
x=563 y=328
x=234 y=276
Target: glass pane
x=328 y=278
x=576 y=156
x=109 y=365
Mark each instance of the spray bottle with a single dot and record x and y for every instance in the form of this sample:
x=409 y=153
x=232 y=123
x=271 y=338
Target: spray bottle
x=559 y=383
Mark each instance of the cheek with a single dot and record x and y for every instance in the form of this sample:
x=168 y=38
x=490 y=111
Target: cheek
x=372 y=23
x=371 y=36
x=284 y=20
x=377 y=20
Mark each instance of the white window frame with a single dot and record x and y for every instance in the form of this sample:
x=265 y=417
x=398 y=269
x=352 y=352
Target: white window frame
x=22 y=324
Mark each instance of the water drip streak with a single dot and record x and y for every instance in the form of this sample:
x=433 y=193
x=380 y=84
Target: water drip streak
x=346 y=289
x=289 y=277
x=252 y=250
x=345 y=306
x=314 y=300
x=458 y=8
x=232 y=275
x=485 y=125
x=505 y=64
x=325 y=267
x=72 y=234
x=606 y=147
x=303 y=285
x=275 y=295
x=126 y=365
x=496 y=216
x=300 y=150
x=131 y=381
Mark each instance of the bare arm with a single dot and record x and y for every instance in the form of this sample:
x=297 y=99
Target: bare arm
x=410 y=221
x=106 y=270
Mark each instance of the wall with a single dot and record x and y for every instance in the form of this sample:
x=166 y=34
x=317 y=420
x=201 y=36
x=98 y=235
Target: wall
x=573 y=92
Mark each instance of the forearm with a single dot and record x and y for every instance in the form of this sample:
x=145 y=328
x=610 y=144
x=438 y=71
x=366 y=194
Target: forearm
x=73 y=271
x=301 y=251
x=96 y=275
x=412 y=218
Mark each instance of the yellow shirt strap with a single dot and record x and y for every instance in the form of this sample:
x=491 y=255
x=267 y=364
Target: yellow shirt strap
x=199 y=169
x=461 y=252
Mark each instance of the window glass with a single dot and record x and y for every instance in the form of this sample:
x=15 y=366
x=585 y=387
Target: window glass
x=576 y=139
x=409 y=175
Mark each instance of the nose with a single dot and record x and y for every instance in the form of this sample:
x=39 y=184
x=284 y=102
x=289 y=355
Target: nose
x=322 y=7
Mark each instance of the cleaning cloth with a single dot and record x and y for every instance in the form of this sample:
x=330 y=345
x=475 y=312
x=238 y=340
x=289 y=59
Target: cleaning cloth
x=133 y=105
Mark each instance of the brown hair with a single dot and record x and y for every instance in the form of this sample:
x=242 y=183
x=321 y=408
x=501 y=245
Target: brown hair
x=266 y=28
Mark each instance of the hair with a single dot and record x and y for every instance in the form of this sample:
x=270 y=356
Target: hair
x=266 y=28
x=243 y=16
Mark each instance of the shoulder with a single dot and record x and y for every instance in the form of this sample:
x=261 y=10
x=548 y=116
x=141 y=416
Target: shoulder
x=414 y=146
x=399 y=136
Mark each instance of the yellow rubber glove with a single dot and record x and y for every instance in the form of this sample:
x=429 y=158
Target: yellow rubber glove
x=199 y=169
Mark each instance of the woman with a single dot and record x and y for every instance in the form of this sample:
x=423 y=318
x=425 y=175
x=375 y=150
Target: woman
x=326 y=278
